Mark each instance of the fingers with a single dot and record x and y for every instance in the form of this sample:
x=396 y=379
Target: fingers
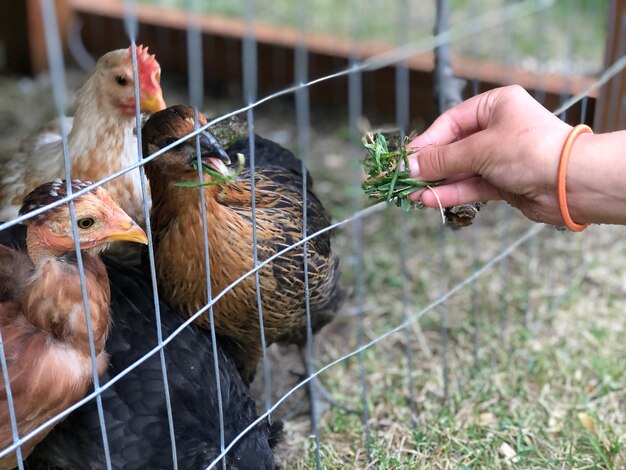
x=470 y=190
x=458 y=122
x=438 y=162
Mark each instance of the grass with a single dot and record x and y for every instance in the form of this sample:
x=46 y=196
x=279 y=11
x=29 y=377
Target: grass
x=549 y=323
x=387 y=169
x=519 y=404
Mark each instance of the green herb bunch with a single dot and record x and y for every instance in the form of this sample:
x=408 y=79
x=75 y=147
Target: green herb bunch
x=388 y=173
x=216 y=177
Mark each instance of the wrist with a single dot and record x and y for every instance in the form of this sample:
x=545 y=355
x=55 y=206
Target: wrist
x=596 y=176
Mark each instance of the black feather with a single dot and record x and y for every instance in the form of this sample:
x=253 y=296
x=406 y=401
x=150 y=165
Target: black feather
x=134 y=408
x=269 y=154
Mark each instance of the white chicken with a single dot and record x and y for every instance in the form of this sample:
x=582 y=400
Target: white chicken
x=102 y=139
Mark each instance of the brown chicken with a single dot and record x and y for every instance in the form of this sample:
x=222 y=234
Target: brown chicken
x=102 y=139
x=42 y=317
x=179 y=245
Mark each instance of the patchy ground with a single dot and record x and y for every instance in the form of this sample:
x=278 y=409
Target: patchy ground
x=534 y=349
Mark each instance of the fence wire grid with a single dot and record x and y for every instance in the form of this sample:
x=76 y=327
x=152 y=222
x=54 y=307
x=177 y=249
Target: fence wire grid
x=512 y=261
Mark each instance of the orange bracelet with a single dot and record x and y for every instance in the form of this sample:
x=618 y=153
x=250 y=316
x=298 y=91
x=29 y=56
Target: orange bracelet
x=562 y=175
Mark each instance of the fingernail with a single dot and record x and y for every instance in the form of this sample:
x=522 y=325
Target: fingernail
x=415 y=169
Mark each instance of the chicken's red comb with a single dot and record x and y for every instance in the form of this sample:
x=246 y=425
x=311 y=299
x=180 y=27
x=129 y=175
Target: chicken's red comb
x=148 y=69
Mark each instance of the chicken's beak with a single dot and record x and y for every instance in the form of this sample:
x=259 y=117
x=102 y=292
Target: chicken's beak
x=127 y=230
x=152 y=103
x=213 y=155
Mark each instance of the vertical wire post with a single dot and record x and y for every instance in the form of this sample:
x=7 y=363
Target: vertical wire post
x=506 y=211
x=566 y=94
x=614 y=106
x=539 y=94
x=57 y=72
x=447 y=94
x=155 y=293
x=303 y=124
x=443 y=315
x=355 y=110
x=541 y=23
x=196 y=97
x=130 y=23
x=10 y=404
x=474 y=10
x=250 y=92
x=566 y=245
x=475 y=292
x=504 y=275
x=402 y=121
x=582 y=239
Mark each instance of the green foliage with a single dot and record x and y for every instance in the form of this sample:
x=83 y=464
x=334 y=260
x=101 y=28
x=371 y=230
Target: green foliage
x=388 y=171
x=216 y=177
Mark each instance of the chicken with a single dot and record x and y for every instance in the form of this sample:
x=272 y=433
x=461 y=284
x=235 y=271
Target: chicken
x=42 y=319
x=179 y=245
x=102 y=139
x=134 y=408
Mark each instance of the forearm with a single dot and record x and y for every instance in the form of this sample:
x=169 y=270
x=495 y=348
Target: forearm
x=596 y=179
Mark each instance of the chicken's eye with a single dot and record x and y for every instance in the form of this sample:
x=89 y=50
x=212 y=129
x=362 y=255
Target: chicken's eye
x=86 y=222
x=122 y=81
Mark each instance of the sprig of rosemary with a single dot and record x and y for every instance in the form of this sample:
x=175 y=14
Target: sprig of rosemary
x=216 y=177
x=388 y=172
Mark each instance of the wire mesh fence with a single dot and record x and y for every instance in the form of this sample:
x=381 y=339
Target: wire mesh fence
x=441 y=352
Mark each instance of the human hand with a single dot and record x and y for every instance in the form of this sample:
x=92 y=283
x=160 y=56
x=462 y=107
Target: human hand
x=501 y=144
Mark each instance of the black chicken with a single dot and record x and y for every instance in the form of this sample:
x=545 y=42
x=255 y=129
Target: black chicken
x=134 y=408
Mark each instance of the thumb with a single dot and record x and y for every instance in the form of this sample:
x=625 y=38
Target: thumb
x=436 y=162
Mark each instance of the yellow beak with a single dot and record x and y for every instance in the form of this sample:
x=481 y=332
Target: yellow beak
x=128 y=231
x=153 y=103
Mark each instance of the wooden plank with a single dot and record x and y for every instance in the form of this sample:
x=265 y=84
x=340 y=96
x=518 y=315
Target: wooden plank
x=13 y=28
x=36 y=36
x=165 y=33
x=611 y=106
x=22 y=33
x=233 y=28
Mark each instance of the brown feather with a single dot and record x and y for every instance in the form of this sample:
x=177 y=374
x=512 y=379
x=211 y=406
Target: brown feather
x=46 y=345
x=42 y=314
x=179 y=247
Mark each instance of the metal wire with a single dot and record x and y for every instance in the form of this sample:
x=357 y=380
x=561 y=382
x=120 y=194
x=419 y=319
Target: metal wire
x=55 y=60
x=402 y=121
x=619 y=65
x=196 y=79
x=531 y=232
x=611 y=71
x=155 y=292
x=448 y=93
x=355 y=111
x=10 y=404
x=249 y=59
x=504 y=276
x=474 y=86
x=130 y=23
x=617 y=85
x=475 y=313
x=443 y=315
x=303 y=124
x=469 y=28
